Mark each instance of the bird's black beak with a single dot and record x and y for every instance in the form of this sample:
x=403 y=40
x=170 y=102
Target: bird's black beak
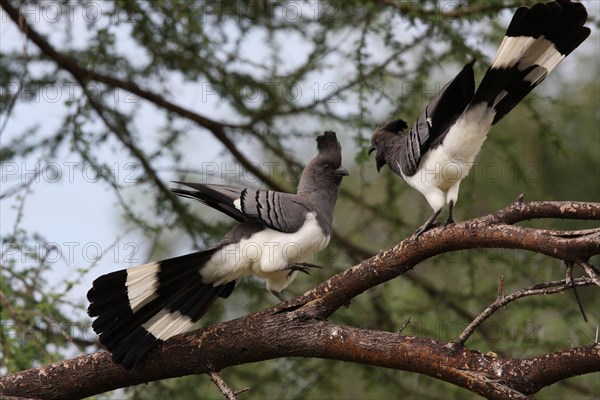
x=341 y=171
x=379 y=161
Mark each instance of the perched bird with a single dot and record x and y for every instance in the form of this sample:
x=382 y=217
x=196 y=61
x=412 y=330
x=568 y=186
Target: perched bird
x=440 y=148
x=140 y=307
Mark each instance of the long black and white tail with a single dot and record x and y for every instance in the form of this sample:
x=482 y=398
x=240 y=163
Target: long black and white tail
x=537 y=40
x=140 y=307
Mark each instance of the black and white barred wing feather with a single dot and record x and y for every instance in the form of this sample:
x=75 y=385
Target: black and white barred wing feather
x=439 y=114
x=283 y=212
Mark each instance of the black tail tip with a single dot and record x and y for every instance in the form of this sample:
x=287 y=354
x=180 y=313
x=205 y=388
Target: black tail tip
x=133 y=349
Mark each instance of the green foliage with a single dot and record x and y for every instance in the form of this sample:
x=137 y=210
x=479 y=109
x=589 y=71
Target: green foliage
x=33 y=323
x=271 y=75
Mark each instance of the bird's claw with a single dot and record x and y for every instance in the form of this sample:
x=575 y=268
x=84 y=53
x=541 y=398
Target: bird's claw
x=302 y=267
x=425 y=227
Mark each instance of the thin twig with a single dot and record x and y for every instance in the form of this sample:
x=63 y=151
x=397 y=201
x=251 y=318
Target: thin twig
x=246 y=389
x=570 y=234
x=543 y=288
x=501 y=289
x=404 y=325
x=223 y=387
x=591 y=271
x=25 y=63
x=408 y=8
x=122 y=134
x=22 y=186
x=84 y=75
x=569 y=281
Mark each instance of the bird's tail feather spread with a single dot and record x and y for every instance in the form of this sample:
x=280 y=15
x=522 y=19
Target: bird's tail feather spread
x=537 y=40
x=137 y=308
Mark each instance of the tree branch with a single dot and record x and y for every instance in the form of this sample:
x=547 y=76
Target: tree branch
x=118 y=127
x=501 y=301
x=192 y=353
x=298 y=328
x=84 y=76
x=408 y=8
x=223 y=387
x=591 y=271
x=520 y=211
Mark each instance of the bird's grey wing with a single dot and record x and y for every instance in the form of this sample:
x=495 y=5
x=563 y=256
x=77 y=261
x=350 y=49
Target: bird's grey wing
x=439 y=114
x=283 y=212
x=219 y=197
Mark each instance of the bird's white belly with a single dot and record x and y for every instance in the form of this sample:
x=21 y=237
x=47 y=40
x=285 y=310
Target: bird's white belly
x=266 y=254
x=440 y=169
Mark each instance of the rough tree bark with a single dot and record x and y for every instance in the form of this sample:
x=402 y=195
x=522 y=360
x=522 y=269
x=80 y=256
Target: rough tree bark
x=299 y=327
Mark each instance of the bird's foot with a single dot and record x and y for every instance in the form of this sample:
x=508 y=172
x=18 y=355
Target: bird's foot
x=278 y=295
x=425 y=227
x=302 y=267
x=450 y=219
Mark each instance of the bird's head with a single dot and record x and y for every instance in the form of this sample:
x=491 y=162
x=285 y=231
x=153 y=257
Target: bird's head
x=384 y=138
x=325 y=169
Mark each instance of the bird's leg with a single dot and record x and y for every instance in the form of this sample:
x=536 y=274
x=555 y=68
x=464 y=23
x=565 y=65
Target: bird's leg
x=427 y=225
x=302 y=267
x=450 y=219
x=278 y=295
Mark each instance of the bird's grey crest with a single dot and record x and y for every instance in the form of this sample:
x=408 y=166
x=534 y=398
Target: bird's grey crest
x=329 y=147
x=325 y=169
x=396 y=126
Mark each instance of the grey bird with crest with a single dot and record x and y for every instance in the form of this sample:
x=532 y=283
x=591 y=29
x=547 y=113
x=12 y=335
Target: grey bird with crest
x=140 y=307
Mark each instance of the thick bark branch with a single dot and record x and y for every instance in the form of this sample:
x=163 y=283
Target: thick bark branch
x=291 y=334
x=298 y=328
x=522 y=211
x=485 y=232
